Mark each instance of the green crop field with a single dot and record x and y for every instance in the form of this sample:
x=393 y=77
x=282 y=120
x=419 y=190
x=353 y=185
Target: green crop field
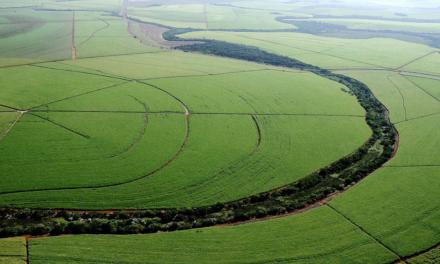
x=13 y=251
x=263 y=131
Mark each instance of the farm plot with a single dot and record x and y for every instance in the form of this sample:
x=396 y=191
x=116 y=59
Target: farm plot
x=403 y=95
x=326 y=52
x=318 y=236
x=26 y=87
x=157 y=65
x=429 y=65
x=270 y=92
x=25 y=35
x=13 y=250
x=207 y=17
x=239 y=159
x=430 y=257
x=103 y=35
x=66 y=150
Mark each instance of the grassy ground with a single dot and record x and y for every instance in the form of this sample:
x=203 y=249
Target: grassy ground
x=318 y=236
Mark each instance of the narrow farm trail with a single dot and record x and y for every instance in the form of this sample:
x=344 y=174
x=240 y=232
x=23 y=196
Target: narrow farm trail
x=402 y=97
x=106 y=25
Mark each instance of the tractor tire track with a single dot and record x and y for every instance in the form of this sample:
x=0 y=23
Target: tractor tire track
x=6 y=133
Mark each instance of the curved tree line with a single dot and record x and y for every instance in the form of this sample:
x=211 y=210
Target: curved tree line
x=334 y=178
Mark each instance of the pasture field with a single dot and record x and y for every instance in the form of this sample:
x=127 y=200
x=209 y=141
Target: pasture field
x=13 y=250
x=326 y=52
x=318 y=236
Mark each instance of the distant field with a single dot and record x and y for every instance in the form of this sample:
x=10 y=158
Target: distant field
x=326 y=52
x=207 y=17
x=318 y=236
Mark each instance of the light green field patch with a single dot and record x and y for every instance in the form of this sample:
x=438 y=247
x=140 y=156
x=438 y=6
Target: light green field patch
x=128 y=97
x=429 y=65
x=395 y=205
x=370 y=24
x=419 y=141
x=28 y=42
x=162 y=64
x=108 y=5
x=404 y=99
x=430 y=86
x=271 y=91
x=223 y=161
x=319 y=236
x=59 y=150
x=374 y=52
x=13 y=250
x=106 y=37
x=26 y=86
x=381 y=86
x=177 y=15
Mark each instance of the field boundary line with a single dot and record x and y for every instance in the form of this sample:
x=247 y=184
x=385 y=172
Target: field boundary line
x=62 y=126
x=366 y=232
x=27 y=238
